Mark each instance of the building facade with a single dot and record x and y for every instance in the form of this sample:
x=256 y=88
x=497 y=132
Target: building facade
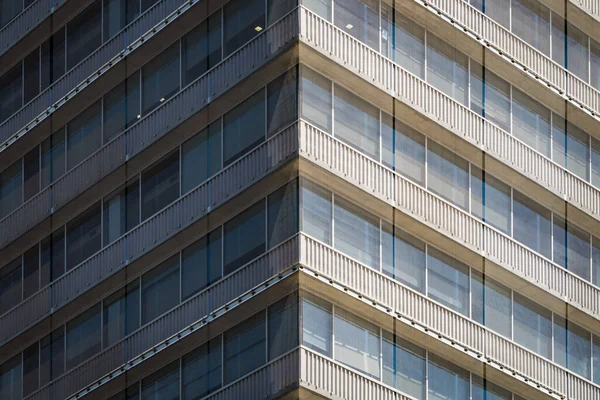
x=314 y=199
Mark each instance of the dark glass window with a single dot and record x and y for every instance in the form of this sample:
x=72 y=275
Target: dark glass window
x=201 y=370
x=31 y=271
x=11 y=379
x=483 y=389
x=53 y=158
x=160 y=185
x=8 y=10
x=201 y=157
x=446 y=380
x=84 y=236
x=201 y=263
x=160 y=78
x=52 y=356
x=31 y=371
x=282 y=101
x=84 y=336
x=572 y=347
x=121 y=212
x=276 y=9
x=146 y=4
x=244 y=19
x=244 y=237
x=244 y=127
x=31 y=173
x=53 y=256
x=11 y=188
x=201 y=48
x=11 y=285
x=121 y=313
x=283 y=326
x=53 y=58
x=84 y=135
x=84 y=34
x=282 y=214
x=163 y=384
x=404 y=365
x=160 y=289
x=122 y=107
x=31 y=69
x=245 y=347
x=11 y=92
x=117 y=14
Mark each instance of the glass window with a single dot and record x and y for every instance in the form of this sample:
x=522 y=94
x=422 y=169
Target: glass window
x=316 y=105
x=245 y=347
x=490 y=200
x=283 y=326
x=596 y=262
x=160 y=185
x=237 y=138
x=31 y=271
x=316 y=211
x=404 y=366
x=446 y=380
x=244 y=19
x=160 y=289
x=11 y=188
x=570 y=147
x=448 y=175
x=8 y=10
x=201 y=370
x=572 y=347
x=11 y=379
x=403 y=40
x=201 y=157
x=595 y=162
x=403 y=257
x=356 y=343
x=448 y=281
x=491 y=304
x=31 y=371
x=276 y=9
x=121 y=313
x=282 y=101
x=84 y=135
x=532 y=326
x=244 y=237
x=163 y=384
x=11 y=285
x=31 y=173
x=11 y=92
x=147 y=4
x=360 y=19
x=532 y=224
x=571 y=248
x=53 y=58
x=84 y=336
x=595 y=63
x=31 y=79
x=596 y=359
x=122 y=107
x=160 y=78
x=403 y=149
x=531 y=122
x=121 y=212
x=201 y=263
x=447 y=69
x=317 y=324
x=531 y=22
x=356 y=233
x=53 y=158
x=576 y=59
x=201 y=48
x=282 y=214
x=84 y=34
x=131 y=393
x=117 y=14
x=53 y=256
x=490 y=96
x=84 y=236
x=52 y=356
x=320 y=7
x=483 y=389
x=356 y=122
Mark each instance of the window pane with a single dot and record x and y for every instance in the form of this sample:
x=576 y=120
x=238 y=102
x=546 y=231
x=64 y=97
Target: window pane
x=53 y=256
x=491 y=304
x=490 y=96
x=484 y=390
x=533 y=326
x=356 y=343
x=404 y=366
x=276 y=9
x=282 y=101
x=237 y=138
x=121 y=313
x=31 y=271
x=121 y=107
x=11 y=92
x=244 y=237
x=490 y=200
x=53 y=158
x=52 y=356
x=84 y=135
x=572 y=347
x=448 y=281
x=283 y=326
x=403 y=40
x=245 y=347
x=595 y=64
x=10 y=379
x=448 y=175
x=11 y=188
x=447 y=69
x=320 y=7
x=356 y=122
x=160 y=185
x=360 y=19
x=446 y=380
x=31 y=80
x=53 y=58
x=160 y=289
x=31 y=173
x=31 y=371
x=316 y=211
x=571 y=248
x=201 y=157
x=596 y=361
x=163 y=384
x=201 y=263
x=570 y=147
x=282 y=214
x=84 y=34
x=596 y=262
x=201 y=48
x=317 y=324
x=403 y=149
x=532 y=224
x=403 y=257
x=531 y=122
x=531 y=22
x=316 y=103
x=84 y=236
x=117 y=14
x=595 y=162
x=121 y=212
x=84 y=337
x=244 y=19
x=356 y=233
x=11 y=285
x=160 y=78
x=201 y=370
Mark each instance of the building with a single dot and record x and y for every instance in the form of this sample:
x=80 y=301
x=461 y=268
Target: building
x=339 y=199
